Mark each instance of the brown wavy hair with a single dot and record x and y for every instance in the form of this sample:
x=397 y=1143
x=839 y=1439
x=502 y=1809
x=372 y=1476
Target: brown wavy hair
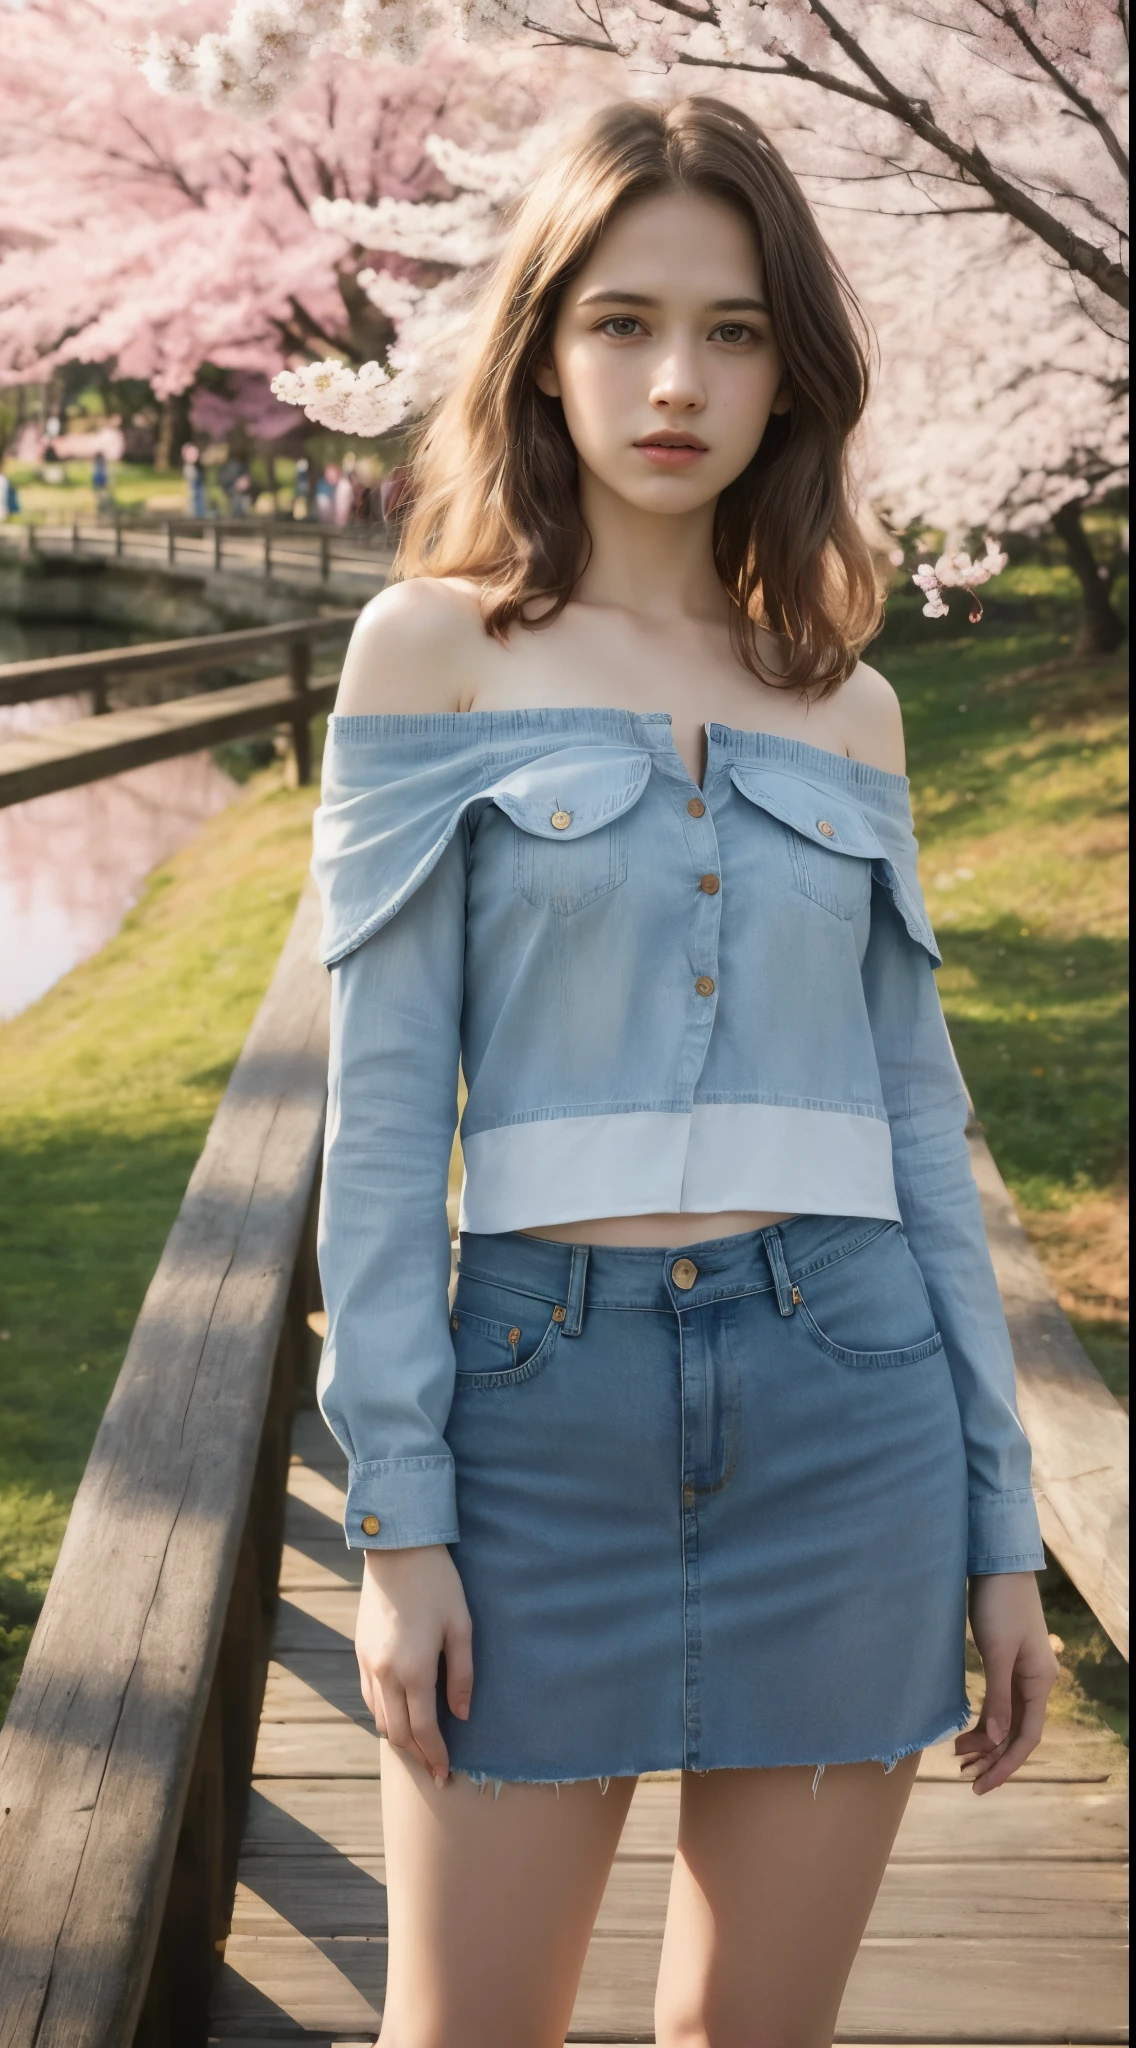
x=493 y=480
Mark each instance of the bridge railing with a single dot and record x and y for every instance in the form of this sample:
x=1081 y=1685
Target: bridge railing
x=126 y=1756
x=109 y=742
x=264 y=547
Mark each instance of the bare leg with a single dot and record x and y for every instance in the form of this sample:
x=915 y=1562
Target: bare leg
x=491 y=1904
x=770 y=1896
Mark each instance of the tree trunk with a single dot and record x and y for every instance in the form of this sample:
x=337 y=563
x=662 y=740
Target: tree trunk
x=1101 y=629
x=173 y=429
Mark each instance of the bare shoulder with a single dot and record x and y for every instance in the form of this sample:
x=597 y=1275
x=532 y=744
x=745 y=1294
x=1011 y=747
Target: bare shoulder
x=412 y=648
x=872 y=720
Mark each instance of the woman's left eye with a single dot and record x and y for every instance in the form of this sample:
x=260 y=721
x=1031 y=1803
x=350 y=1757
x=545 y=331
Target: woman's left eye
x=733 y=332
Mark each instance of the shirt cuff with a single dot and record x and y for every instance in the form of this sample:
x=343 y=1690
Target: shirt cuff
x=1005 y=1535
x=401 y=1504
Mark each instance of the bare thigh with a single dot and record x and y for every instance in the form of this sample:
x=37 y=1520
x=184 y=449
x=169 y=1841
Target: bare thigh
x=770 y=1896
x=491 y=1902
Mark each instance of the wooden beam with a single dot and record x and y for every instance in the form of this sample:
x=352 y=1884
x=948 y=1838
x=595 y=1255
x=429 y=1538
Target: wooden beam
x=98 y=1749
x=64 y=756
x=23 y=682
x=1079 y=1433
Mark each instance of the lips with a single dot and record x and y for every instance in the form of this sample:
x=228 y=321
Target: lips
x=672 y=451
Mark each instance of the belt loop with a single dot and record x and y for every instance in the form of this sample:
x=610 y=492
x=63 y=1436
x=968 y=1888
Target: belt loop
x=787 y=1295
x=574 y=1320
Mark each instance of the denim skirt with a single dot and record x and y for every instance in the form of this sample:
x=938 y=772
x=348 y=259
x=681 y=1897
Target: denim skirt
x=712 y=1503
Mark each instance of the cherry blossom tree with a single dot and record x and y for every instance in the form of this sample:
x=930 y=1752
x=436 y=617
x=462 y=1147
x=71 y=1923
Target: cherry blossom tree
x=162 y=236
x=1008 y=106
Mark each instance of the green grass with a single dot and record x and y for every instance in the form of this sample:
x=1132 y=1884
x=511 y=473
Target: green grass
x=133 y=485
x=110 y=1085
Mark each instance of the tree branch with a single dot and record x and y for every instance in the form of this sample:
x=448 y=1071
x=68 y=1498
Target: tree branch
x=1084 y=105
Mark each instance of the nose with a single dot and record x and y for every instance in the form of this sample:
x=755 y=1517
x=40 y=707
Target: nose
x=677 y=385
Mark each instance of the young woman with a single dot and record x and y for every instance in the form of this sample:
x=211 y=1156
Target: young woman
x=693 y=1472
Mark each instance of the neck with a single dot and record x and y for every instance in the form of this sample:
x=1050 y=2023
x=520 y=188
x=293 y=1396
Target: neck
x=659 y=566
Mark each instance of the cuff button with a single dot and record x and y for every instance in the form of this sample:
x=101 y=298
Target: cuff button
x=370 y=1525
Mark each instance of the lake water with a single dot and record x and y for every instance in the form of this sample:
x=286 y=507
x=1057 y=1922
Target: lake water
x=73 y=864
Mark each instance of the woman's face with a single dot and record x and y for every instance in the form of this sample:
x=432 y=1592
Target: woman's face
x=663 y=354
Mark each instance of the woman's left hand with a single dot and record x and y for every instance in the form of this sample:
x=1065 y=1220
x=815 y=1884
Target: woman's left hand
x=1008 y=1626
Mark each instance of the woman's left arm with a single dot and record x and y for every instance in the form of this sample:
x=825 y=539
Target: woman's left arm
x=939 y=1205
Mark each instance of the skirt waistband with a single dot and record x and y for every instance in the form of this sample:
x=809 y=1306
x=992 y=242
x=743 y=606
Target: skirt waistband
x=644 y=1277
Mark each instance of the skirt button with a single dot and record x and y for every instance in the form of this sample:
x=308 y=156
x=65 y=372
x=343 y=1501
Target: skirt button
x=684 y=1273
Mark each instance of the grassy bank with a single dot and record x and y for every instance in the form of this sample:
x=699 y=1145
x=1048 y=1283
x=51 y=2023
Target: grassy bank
x=1017 y=765
x=110 y=1085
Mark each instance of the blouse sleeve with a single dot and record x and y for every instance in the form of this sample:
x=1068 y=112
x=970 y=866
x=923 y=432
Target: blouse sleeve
x=391 y=853
x=942 y=1218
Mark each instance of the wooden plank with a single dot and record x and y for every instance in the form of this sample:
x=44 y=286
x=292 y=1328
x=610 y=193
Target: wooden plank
x=1079 y=1433
x=312 y=1440
x=320 y=1564
x=315 y=1685
x=949 y=1990
x=23 y=682
x=97 y=1749
x=331 y=1895
x=86 y=749
x=943 y=1823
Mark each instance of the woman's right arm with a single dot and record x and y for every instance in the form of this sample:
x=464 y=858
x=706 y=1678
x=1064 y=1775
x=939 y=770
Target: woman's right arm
x=384 y=1250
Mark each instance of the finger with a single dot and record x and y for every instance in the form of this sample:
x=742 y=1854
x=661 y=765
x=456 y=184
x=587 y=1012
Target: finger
x=1014 y=1755
x=395 y=1714
x=367 y=1688
x=996 y=1718
x=422 y=1702
x=974 y=1741
x=458 y=1648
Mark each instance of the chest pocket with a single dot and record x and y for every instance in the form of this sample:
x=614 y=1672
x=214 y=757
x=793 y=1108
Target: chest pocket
x=829 y=843
x=570 y=845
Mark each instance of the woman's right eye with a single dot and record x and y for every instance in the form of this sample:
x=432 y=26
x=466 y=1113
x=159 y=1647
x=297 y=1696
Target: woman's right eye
x=620 y=326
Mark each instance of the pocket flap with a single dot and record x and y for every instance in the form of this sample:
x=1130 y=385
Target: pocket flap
x=842 y=827
x=829 y=821
x=570 y=793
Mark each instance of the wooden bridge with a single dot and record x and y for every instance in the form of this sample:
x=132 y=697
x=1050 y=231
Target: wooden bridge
x=190 y=1829
x=297 y=552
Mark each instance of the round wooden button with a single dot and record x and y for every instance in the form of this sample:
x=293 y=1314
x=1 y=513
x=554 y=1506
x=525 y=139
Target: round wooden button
x=561 y=820
x=370 y=1525
x=696 y=807
x=824 y=826
x=704 y=986
x=710 y=885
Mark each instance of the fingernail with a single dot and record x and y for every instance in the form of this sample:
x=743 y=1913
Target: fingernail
x=994 y=1730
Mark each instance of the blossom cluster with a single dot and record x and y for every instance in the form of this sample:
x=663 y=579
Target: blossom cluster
x=958 y=571
x=349 y=401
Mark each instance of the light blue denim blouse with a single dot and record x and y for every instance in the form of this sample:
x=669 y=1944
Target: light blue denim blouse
x=663 y=997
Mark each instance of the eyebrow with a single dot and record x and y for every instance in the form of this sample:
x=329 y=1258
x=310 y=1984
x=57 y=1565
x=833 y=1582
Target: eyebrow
x=644 y=299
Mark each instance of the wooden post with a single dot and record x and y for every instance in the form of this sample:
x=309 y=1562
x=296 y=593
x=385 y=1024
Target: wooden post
x=325 y=556
x=300 y=669
x=118 y=536
x=171 y=541
x=74 y=536
x=267 y=551
x=218 y=539
x=99 y=692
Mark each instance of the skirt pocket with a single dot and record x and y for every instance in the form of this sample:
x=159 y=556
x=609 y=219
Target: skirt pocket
x=870 y=1311
x=491 y=1353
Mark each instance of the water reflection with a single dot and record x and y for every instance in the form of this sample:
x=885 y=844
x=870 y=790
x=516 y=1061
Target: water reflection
x=72 y=864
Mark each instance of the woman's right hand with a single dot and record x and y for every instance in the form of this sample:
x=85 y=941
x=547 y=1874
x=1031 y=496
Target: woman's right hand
x=411 y=1611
